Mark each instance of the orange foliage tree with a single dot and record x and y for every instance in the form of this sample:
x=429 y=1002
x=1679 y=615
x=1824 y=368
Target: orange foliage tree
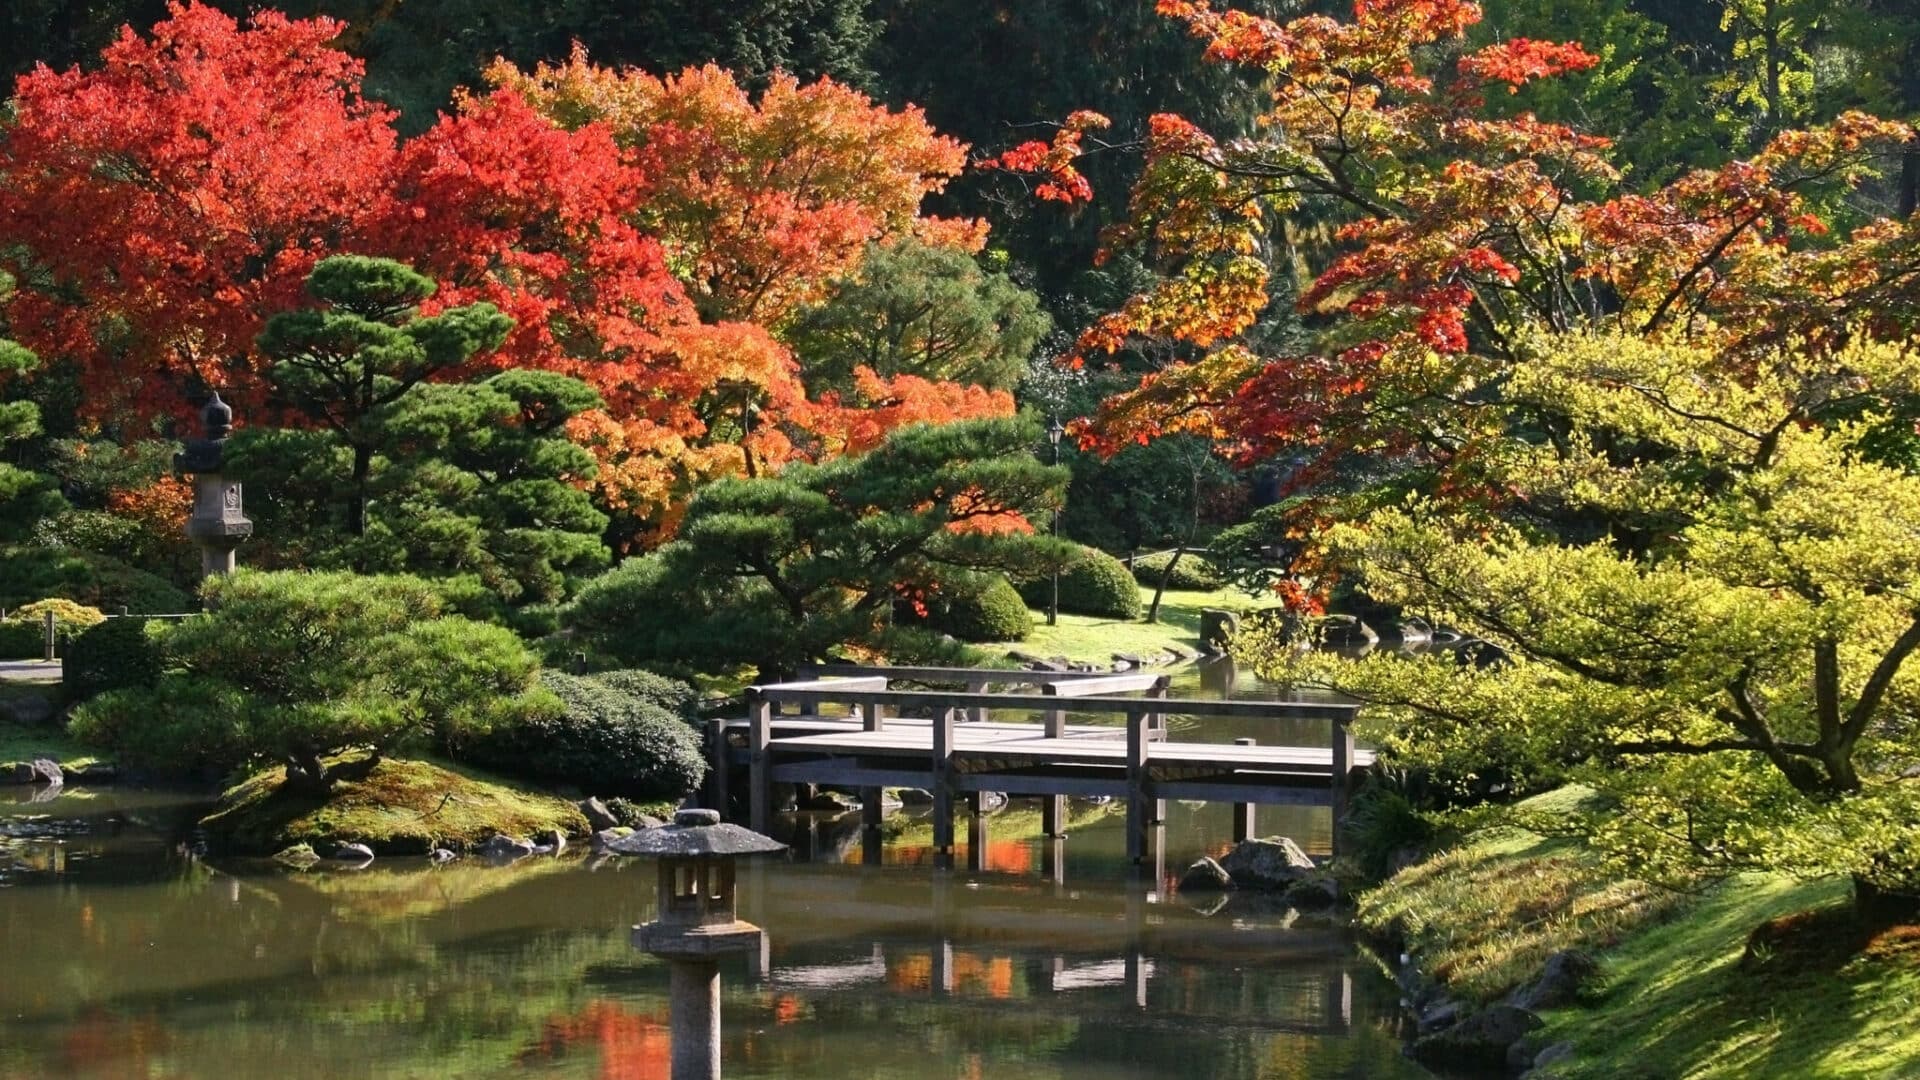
x=1463 y=226
x=159 y=208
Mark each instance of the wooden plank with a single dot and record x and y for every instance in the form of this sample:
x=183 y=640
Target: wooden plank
x=838 y=772
x=912 y=673
x=868 y=682
x=1270 y=793
x=1091 y=685
x=941 y=699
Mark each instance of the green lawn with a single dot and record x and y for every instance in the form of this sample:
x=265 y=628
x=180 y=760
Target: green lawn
x=1084 y=637
x=1676 y=996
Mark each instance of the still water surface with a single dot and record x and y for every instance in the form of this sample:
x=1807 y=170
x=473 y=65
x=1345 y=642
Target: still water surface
x=122 y=955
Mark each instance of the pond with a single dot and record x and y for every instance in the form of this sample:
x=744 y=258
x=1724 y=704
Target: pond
x=127 y=955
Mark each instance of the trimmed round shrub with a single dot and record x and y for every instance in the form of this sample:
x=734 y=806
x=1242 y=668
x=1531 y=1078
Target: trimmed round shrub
x=604 y=741
x=23 y=633
x=1192 y=573
x=29 y=572
x=1097 y=585
x=991 y=612
x=669 y=695
x=113 y=655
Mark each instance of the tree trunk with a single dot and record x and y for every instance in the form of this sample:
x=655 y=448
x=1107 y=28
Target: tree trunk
x=1879 y=907
x=306 y=772
x=357 y=499
x=1160 y=588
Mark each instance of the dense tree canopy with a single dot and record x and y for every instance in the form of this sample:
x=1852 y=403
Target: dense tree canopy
x=777 y=570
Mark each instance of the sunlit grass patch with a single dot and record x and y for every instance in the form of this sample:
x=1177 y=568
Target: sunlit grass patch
x=401 y=806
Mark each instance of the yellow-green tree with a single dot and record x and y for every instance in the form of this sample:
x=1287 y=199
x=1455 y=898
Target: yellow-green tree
x=1723 y=648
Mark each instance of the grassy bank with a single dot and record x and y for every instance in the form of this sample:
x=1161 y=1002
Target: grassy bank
x=399 y=807
x=1084 y=637
x=1679 y=992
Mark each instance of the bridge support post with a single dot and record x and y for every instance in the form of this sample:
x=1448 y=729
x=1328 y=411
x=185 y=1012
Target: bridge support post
x=1342 y=765
x=759 y=763
x=1244 y=814
x=943 y=784
x=1139 y=798
x=1053 y=816
x=976 y=833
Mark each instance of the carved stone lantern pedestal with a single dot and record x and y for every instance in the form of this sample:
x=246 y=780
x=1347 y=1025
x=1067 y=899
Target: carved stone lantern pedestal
x=699 y=923
x=217 y=524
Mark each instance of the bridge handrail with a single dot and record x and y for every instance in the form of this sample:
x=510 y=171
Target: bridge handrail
x=823 y=694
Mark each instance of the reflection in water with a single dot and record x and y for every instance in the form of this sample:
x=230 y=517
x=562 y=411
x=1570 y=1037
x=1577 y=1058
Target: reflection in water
x=127 y=957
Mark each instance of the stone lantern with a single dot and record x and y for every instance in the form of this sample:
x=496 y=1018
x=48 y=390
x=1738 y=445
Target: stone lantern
x=698 y=923
x=217 y=525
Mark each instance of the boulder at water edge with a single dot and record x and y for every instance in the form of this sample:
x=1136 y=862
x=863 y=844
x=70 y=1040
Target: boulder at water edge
x=1480 y=1041
x=506 y=847
x=1273 y=862
x=353 y=854
x=1205 y=875
x=597 y=815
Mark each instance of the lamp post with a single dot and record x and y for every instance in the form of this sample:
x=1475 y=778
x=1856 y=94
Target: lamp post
x=1054 y=431
x=217 y=525
x=698 y=923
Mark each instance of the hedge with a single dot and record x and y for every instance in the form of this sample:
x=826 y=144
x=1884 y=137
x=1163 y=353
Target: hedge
x=670 y=695
x=113 y=655
x=604 y=742
x=992 y=611
x=23 y=633
x=1193 y=572
x=1097 y=585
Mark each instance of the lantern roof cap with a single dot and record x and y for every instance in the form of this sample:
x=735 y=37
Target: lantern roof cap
x=696 y=833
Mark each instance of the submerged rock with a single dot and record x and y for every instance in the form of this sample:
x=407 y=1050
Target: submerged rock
x=829 y=802
x=1273 y=862
x=299 y=856
x=1205 y=875
x=498 y=846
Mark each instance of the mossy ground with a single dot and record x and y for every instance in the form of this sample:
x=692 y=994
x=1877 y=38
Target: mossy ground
x=399 y=807
x=1084 y=637
x=1676 y=995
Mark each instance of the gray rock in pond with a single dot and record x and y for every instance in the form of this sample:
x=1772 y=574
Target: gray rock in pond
x=551 y=842
x=913 y=796
x=1274 y=862
x=1205 y=875
x=1559 y=982
x=358 y=854
x=17 y=772
x=1033 y=662
x=597 y=815
x=992 y=802
x=47 y=771
x=1313 y=894
x=441 y=855
x=605 y=837
x=1216 y=626
x=1552 y=1055
x=29 y=710
x=97 y=773
x=1346 y=631
x=827 y=802
x=506 y=847
x=1480 y=1041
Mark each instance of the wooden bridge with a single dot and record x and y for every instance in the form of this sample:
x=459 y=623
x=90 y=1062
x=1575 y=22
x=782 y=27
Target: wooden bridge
x=955 y=747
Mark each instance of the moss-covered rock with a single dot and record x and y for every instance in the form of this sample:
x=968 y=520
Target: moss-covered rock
x=398 y=807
